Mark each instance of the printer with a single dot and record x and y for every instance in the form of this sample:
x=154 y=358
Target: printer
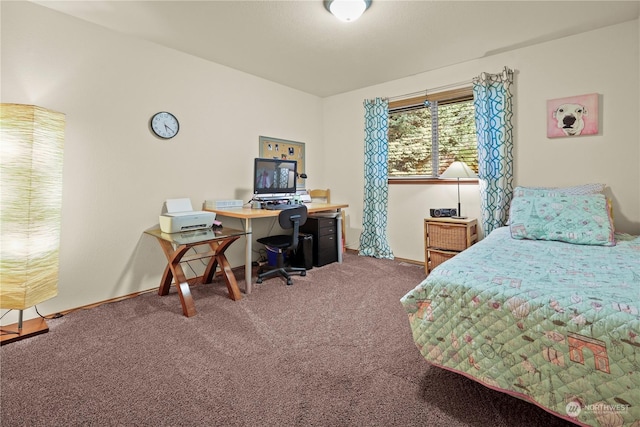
x=180 y=216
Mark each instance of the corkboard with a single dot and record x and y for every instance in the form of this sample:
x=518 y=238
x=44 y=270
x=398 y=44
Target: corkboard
x=283 y=149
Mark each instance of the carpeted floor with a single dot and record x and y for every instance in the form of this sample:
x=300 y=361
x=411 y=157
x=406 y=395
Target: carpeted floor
x=334 y=349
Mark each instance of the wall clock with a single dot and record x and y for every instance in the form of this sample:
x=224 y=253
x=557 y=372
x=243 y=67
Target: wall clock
x=164 y=125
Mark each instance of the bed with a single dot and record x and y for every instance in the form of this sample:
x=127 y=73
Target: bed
x=550 y=321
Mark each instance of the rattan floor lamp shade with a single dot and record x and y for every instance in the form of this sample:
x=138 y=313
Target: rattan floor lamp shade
x=31 y=155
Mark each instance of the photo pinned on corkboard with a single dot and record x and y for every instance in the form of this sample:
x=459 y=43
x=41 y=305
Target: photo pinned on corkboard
x=276 y=148
x=573 y=116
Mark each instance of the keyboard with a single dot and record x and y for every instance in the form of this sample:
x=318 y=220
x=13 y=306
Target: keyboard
x=279 y=206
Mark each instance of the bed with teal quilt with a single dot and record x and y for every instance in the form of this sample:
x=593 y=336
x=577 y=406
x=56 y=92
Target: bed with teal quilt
x=551 y=322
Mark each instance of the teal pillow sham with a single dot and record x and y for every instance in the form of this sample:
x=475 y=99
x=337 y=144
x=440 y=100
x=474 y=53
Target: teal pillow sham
x=582 y=220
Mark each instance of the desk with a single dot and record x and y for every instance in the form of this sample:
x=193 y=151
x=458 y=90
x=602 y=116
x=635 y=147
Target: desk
x=176 y=245
x=248 y=214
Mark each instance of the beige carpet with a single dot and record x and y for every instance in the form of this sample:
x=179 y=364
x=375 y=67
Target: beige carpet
x=334 y=349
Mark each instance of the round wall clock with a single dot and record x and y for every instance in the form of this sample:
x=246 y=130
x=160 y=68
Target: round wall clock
x=164 y=125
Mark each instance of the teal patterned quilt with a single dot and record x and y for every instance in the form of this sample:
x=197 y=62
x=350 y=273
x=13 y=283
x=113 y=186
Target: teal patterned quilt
x=553 y=323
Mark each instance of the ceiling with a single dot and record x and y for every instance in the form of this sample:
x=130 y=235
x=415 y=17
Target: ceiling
x=299 y=44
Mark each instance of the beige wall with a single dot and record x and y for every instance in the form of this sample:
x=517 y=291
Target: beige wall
x=604 y=61
x=116 y=174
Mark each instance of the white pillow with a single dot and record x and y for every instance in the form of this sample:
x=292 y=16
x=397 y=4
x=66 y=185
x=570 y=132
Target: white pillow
x=576 y=190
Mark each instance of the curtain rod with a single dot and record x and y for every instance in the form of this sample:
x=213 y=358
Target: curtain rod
x=435 y=89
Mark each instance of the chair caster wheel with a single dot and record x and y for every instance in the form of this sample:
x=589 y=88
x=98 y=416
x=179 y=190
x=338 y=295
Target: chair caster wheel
x=259 y=281
x=303 y=273
x=289 y=282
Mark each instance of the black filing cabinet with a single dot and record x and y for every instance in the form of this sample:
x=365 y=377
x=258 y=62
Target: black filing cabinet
x=325 y=237
x=303 y=255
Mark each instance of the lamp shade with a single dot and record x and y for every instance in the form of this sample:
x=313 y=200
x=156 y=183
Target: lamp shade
x=458 y=170
x=31 y=155
x=347 y=10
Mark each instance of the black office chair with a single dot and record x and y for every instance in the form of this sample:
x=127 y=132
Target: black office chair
x=293 y=217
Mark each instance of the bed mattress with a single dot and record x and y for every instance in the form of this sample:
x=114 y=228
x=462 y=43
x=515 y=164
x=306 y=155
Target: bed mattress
x=553 y=323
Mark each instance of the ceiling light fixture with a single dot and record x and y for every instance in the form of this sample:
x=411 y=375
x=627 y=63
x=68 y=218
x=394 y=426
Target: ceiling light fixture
x=347 y=10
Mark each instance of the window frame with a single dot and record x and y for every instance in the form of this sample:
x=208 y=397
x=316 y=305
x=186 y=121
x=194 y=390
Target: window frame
x=444 y=97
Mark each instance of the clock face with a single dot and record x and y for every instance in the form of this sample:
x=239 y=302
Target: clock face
x=165 y=125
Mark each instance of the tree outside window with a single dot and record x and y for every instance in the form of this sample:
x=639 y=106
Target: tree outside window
x=427 y=135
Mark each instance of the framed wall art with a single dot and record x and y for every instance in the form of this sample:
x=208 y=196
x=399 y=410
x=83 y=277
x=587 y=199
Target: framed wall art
x=573 y=116
x=284 y=149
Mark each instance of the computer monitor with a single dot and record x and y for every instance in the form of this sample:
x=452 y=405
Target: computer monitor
x=274 y=178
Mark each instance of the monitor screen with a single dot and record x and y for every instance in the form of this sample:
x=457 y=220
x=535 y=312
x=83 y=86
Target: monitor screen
x=274 y=177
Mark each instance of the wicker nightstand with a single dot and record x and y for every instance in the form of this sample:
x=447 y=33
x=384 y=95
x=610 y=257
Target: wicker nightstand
x=444 y=238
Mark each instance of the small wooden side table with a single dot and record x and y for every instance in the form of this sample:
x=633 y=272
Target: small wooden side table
x=444 y=238
x=175 y=247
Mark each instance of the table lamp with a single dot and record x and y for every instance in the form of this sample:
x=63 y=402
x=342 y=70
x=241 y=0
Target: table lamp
x=458 y=170
x=30 y=211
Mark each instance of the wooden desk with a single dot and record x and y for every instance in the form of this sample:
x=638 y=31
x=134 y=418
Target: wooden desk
x=248 y=214
x=176 y=245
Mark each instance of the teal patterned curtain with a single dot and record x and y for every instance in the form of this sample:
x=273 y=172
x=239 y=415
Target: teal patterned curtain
x=373 y=240
x=493 y=105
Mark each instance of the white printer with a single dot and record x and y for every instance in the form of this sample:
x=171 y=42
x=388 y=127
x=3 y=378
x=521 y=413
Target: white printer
x=180 y=216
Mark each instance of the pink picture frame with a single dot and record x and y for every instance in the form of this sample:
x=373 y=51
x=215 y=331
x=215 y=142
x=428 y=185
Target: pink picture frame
x=572 y=116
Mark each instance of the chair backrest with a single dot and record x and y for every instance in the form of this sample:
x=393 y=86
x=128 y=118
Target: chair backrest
x=293 y=218
x=321 y=194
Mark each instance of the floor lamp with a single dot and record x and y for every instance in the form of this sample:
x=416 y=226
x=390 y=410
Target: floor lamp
x=458 y=170
x=31 y=157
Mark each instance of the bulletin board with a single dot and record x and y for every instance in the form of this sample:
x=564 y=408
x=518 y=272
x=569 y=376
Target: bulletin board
x=283 y=149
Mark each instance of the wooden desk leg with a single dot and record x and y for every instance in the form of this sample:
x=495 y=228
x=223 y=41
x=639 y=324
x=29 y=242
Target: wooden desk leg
x=227 y=273
x=175 y=270
x=207 y=277
x=165 y=283
x=167 y=277
x=186 y=300
x=229 y=277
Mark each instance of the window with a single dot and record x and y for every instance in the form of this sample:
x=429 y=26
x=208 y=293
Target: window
x=429 y=132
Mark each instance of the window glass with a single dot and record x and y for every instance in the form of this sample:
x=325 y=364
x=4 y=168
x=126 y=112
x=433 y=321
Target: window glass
x=427 y=135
